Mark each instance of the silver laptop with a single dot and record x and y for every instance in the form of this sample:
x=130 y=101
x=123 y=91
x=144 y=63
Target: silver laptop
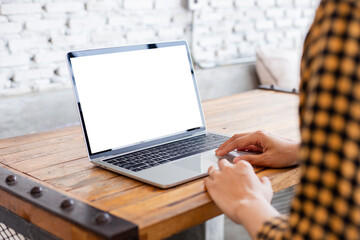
x=141 y=112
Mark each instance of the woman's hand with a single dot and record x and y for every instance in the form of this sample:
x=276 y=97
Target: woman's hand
x=274 y=151
x=240 y=194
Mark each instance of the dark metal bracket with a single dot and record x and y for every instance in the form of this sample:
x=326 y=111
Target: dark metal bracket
x=101 y=223
x=278 y=89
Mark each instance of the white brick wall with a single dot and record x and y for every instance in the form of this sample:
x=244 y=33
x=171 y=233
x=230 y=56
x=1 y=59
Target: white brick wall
x=274 y=13
x=45 y=25
x=49 y=57
x=68 y=7
x=14 y=60
x=265 y=3
x=264 y=24
x=18 y=45
x=245 y=3
x=10 y=27
x=36 y=34
x=104 y=6
x=172 y=32
x=33 y=74
x=65 y=41
x=138 y=4
x=20 y=8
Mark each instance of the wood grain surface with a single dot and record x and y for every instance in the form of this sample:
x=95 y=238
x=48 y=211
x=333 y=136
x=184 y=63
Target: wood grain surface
x=58 y=160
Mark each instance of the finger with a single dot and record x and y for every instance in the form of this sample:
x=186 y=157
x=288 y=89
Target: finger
x=235 y=136
x=240 y=142
x=251 y=148
x=210 y=186
x=231 y=139
x=244 y=167
x=268 y=193
x=222 y=163
x=226 y=142
x=266 y=181
x=268 y=187
x=207 y=183
x=210 y=170
x=252 y=159
x=228 y=147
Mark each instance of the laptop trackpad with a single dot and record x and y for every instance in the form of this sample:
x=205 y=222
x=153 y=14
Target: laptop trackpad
x=199 y=162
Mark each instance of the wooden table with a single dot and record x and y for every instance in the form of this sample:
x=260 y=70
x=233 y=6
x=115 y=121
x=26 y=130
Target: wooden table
x=57 y=160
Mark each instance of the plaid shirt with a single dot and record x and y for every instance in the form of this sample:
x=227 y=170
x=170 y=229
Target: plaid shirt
x=327 y=201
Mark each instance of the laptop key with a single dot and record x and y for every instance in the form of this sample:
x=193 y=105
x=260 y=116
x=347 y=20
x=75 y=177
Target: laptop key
x=163 y=161
x=127 y=165
x=137 y=165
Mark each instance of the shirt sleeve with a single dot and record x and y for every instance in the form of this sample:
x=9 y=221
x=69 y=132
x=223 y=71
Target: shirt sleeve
x=276 y=228
x=327 y=200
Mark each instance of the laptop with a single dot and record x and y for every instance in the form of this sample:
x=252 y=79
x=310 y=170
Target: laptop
x=141 y=113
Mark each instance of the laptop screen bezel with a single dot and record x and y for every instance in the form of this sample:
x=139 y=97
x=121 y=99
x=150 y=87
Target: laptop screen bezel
x=143 y=145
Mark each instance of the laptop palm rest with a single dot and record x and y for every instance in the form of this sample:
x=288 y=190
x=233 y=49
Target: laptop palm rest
x=184 y=170
x=199 y=163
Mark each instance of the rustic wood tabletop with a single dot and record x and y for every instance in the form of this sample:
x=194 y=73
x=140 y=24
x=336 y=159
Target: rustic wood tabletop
x=57 y=160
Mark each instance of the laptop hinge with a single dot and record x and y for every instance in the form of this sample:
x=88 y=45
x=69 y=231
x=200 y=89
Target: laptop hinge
x=104 y=158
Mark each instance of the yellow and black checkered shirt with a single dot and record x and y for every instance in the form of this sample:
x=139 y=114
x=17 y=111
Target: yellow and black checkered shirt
x=327 y=201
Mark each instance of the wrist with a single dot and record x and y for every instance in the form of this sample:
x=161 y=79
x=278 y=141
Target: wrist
x=295 y=152
x=290 y=153
x=253 y=213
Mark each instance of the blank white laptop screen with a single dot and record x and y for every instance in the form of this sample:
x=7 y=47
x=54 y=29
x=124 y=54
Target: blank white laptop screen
x=136 y=96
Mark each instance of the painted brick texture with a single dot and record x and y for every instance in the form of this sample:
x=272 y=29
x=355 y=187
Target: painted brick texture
x=36 y=34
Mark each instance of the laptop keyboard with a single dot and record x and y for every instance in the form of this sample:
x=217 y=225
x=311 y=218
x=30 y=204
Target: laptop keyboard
x=147 y=158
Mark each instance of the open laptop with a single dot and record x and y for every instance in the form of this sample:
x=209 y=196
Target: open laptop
x=141 y=113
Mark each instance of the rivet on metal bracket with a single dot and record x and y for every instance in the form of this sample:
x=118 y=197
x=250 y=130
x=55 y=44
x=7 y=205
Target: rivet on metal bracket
x=75 y=212
x=36 y=191
x=102 y=218
x=67 y=204
x=11 y=179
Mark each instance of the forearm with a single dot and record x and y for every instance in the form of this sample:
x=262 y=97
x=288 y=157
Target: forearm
x=255 y=213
